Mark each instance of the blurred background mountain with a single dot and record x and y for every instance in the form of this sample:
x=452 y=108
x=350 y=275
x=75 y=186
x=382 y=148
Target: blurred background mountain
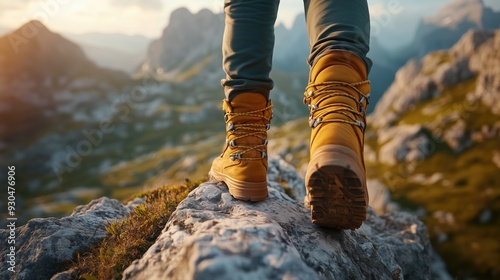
x=92 y=114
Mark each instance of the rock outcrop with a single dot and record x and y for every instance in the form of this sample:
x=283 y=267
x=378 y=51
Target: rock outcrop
x=213 y=236
x=485 y=62
x=404 y=143
x=44 y=246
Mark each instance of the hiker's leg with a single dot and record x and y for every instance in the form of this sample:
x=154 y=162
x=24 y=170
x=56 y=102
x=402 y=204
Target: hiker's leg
x=338 y=25
x=247 y=46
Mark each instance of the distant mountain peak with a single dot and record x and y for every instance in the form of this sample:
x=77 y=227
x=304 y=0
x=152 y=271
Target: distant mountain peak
x=443 y=29
x=189 y=44
x=33 y=24
x=33 y=50
x=34 y=38
x=457 y=12
x=180 y=12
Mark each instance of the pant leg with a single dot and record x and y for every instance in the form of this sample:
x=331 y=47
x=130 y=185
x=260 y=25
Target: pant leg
x=247 y=46
x=338 y=25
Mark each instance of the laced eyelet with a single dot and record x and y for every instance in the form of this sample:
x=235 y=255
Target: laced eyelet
x=265 y=141
x=232 y=143
x=314 y=122
x=263 y=154
x=230 y=127
x=234 y=157
x=360 y=124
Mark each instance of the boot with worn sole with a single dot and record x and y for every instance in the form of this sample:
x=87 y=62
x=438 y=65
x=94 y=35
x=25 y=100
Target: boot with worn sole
x=243 y=162
x=337 y=97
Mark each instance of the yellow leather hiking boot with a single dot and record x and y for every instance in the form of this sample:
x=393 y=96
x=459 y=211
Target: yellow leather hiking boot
x=335 y=180
x=243 y=162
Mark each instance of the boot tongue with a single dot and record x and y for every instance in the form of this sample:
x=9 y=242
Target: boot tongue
x=352 y=70
x=247 y=102
x=341 y=66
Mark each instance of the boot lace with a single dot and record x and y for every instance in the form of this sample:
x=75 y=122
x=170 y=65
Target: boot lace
x=328 y=90
x=242 y=130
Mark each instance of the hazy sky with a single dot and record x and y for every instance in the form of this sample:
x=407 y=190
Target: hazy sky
x=149 y=17
x=146 y=17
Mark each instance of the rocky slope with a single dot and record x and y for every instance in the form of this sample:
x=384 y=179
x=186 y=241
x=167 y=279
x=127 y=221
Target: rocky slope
x=475 y=56
x=211 y=235
x=433 y=142
x=441 y=31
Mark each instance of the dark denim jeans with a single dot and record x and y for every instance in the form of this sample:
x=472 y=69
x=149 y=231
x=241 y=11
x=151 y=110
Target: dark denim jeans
x=248 y=41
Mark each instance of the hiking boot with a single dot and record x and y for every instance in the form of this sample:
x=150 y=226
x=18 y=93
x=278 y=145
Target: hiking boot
x=243 y=162
x=337 y=97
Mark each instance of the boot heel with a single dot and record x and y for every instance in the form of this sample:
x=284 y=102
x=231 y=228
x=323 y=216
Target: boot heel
x=336 y=188
x=246 y=191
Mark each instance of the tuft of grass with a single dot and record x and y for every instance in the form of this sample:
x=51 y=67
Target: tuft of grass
x=131 y=237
